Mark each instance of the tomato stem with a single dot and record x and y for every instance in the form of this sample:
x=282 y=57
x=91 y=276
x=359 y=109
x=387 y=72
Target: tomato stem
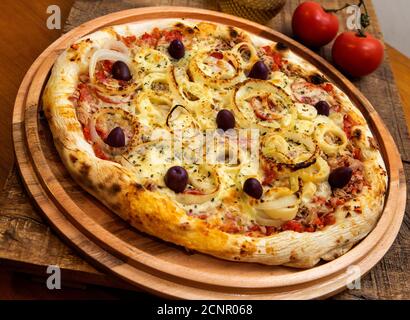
x=360 y=33
x=364 y=17
x=364 y=20
x=337 y=10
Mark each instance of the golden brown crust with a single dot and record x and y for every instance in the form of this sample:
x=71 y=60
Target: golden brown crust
x=156 y=214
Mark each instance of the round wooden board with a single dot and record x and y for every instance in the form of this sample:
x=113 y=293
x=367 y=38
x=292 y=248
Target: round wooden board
x=152 y=264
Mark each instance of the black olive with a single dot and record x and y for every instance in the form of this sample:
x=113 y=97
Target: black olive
x=116 y=138
x=317 y=79
x=322 y=108
x=176 y=178
x=253 y=188
x=259 y=71
x=225 y=120
x=120 y=71
x=280 y=46
x=232 y=32
x=340 y=177
x=176 y=49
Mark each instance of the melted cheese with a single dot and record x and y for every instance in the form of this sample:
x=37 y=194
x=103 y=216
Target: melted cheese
x=204 y=83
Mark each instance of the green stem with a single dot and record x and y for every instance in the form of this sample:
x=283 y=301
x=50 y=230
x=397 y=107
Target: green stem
x=337 y=10
x=364 y=18
x=364 y=6
x=360 y=33
x=361 y=2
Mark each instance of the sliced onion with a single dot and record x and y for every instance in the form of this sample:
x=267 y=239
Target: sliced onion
x=275 y=147
x=116 y=45
x=284 y=214
x=318 y=172
x=152 y=78
x=306 y=111
x=203 y=191
x=201 y=185
x=175 y=113
x=105 y=54
x=112 y=99
x=308 y=191
x=284 y=208
x=219 y=79
x=181 y=84
x=191 y=198
x=279 y=204
x=283 y=202
x=305 y=92
x=152 y=60
x=96 y=139
x=264 y=220
x=253 y=55
x=330 y=148
x=244 y=93
x=93 y=132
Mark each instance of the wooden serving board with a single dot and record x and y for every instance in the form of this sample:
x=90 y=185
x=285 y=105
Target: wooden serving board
x=152 y=264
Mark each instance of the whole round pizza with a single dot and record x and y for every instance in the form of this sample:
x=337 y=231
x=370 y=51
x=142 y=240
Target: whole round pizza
x=217 y=140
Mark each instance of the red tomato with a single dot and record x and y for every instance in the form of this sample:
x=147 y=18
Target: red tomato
x=357 y=55
x=327 y=87
x=217 y=55
x=99 y=153
x=313 y=26
x=348 y=124
x=150 y=39
x=172 y=35
x=329 y=219
x=87 y=134
x=293 y=226
x=276 y=57
x=129 y=40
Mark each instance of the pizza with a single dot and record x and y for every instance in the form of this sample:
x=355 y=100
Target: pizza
x=217 y=140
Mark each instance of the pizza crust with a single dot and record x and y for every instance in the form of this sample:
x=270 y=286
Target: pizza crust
x=157 y=215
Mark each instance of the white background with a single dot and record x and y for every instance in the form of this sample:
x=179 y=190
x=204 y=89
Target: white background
x=394 y=19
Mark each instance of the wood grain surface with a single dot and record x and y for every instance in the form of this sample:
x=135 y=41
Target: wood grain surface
x=150 y=263
x=401 y=69
x=24 y=36
x=386 y=280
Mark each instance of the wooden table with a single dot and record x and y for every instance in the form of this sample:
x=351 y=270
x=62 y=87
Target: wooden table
x=27 y=244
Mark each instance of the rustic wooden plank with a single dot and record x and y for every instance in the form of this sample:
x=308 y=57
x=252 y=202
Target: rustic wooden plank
x=400 y=65
x=24 y=235
x=24 y=36
x=20 y=224
x=86 y=10
x=28 y=244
